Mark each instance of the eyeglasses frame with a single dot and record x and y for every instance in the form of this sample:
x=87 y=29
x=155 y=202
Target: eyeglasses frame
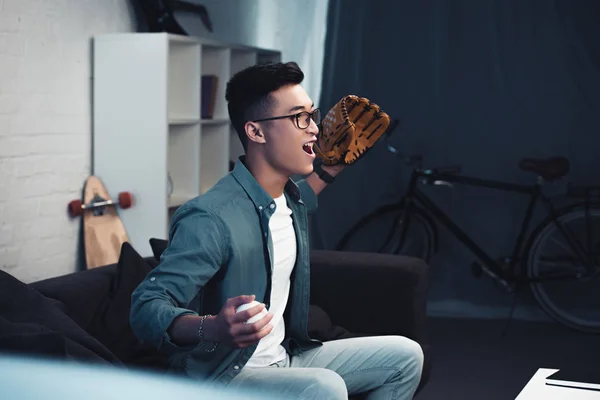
x=297 y=117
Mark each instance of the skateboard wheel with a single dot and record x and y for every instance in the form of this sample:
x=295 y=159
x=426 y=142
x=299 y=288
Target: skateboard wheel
x=75 y=208
x=125 y=199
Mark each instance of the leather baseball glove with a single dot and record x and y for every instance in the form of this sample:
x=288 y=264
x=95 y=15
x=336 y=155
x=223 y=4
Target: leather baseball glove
x=349 y=130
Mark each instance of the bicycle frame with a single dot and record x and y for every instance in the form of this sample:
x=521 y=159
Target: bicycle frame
x=414 y=194
x=504 y=271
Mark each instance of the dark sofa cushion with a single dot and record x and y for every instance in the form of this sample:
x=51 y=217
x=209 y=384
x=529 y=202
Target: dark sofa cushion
x=111 y=322
x=34 y=324
x=36 y=340
x=320 y=326
x=81 y=292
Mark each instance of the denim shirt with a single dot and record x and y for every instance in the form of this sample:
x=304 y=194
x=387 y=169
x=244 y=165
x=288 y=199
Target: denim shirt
x=220 y=247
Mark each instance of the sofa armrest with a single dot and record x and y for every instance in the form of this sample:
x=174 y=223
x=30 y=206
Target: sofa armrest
x=371 y=294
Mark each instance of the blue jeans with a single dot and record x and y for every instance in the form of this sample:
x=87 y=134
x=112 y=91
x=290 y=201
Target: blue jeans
x=389 y=367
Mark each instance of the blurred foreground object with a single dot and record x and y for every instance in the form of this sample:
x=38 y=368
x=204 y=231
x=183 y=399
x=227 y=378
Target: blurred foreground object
x=37 y=378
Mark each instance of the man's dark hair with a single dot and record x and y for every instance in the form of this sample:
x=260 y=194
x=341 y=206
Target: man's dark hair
x=248 y=92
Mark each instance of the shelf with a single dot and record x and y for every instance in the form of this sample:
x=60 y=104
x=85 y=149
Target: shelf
x=176 y=200
x=148 y=126
x=264 y=57
x=183 y=121
x=179 y=39
x=241 y=59
x=183 y=161
x=214 y=121
x=183 y=94
x=214 y=163
x=235 y=146
x=216 y=61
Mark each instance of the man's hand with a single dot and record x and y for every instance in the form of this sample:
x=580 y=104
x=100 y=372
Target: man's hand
x=229 y=328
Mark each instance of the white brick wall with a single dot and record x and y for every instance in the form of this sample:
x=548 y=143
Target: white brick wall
x=45 y=126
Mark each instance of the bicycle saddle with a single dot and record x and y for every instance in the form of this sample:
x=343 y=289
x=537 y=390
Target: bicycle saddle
x=548 y=168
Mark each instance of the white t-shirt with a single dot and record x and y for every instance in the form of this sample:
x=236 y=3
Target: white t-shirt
x=269 y=349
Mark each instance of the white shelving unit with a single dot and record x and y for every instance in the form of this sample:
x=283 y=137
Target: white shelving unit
x=147 y=123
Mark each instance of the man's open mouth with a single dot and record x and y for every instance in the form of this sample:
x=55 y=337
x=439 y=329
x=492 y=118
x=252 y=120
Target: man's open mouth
x=308 y=148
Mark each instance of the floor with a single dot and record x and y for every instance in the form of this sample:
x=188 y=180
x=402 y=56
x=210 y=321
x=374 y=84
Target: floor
x=473 y=360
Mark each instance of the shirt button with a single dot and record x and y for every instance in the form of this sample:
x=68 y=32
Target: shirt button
x=260 y=207
x=236 y=367
x=153 y=279
x=265 y=234
x=272 y=205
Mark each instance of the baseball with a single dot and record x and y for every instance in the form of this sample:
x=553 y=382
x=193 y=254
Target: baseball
x=257 y=317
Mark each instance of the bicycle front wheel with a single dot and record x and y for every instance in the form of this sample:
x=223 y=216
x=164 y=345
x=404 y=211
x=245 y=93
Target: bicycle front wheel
x=380 y=232
x=564 y=268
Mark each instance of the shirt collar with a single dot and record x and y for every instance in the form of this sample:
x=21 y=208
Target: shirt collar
x=257 y=193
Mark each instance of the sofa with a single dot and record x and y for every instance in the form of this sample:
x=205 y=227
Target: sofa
x=84 y=316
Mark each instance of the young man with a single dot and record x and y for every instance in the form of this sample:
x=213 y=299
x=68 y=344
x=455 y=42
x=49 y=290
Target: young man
x=247 y=239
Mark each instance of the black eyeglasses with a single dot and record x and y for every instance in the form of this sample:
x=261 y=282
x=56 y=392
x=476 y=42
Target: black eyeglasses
x=302 y=118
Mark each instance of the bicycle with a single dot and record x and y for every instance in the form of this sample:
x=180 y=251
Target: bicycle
x=408 y=227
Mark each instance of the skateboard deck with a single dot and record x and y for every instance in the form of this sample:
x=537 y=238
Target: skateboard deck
x=103 y=230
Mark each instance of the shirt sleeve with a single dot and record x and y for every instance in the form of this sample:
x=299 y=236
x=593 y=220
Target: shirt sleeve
x=195 y=253
x=308 y=196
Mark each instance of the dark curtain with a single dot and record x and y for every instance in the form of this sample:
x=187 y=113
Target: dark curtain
x=477 y=83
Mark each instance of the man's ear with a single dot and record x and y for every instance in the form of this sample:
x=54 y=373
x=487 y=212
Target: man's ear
x=254 y=132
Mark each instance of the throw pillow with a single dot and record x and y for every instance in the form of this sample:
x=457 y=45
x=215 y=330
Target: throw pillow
x=158 y=246
x=111 y=322
x=320 y=326
x=30 y=322
x=36 y=340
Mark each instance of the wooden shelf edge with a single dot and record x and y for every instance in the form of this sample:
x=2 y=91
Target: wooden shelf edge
x=214 y=121
x=183 y=121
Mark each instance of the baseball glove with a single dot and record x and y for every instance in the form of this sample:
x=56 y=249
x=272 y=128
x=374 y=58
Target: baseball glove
x=349 y=129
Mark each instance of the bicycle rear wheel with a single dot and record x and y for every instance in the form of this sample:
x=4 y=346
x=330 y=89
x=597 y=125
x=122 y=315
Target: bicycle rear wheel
x=568 y=285
x=379 y=232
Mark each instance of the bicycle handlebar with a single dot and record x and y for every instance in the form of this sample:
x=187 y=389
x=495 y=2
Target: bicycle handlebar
x=417 y=159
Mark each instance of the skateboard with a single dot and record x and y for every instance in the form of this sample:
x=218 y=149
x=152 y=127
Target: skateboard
x=103 y=230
